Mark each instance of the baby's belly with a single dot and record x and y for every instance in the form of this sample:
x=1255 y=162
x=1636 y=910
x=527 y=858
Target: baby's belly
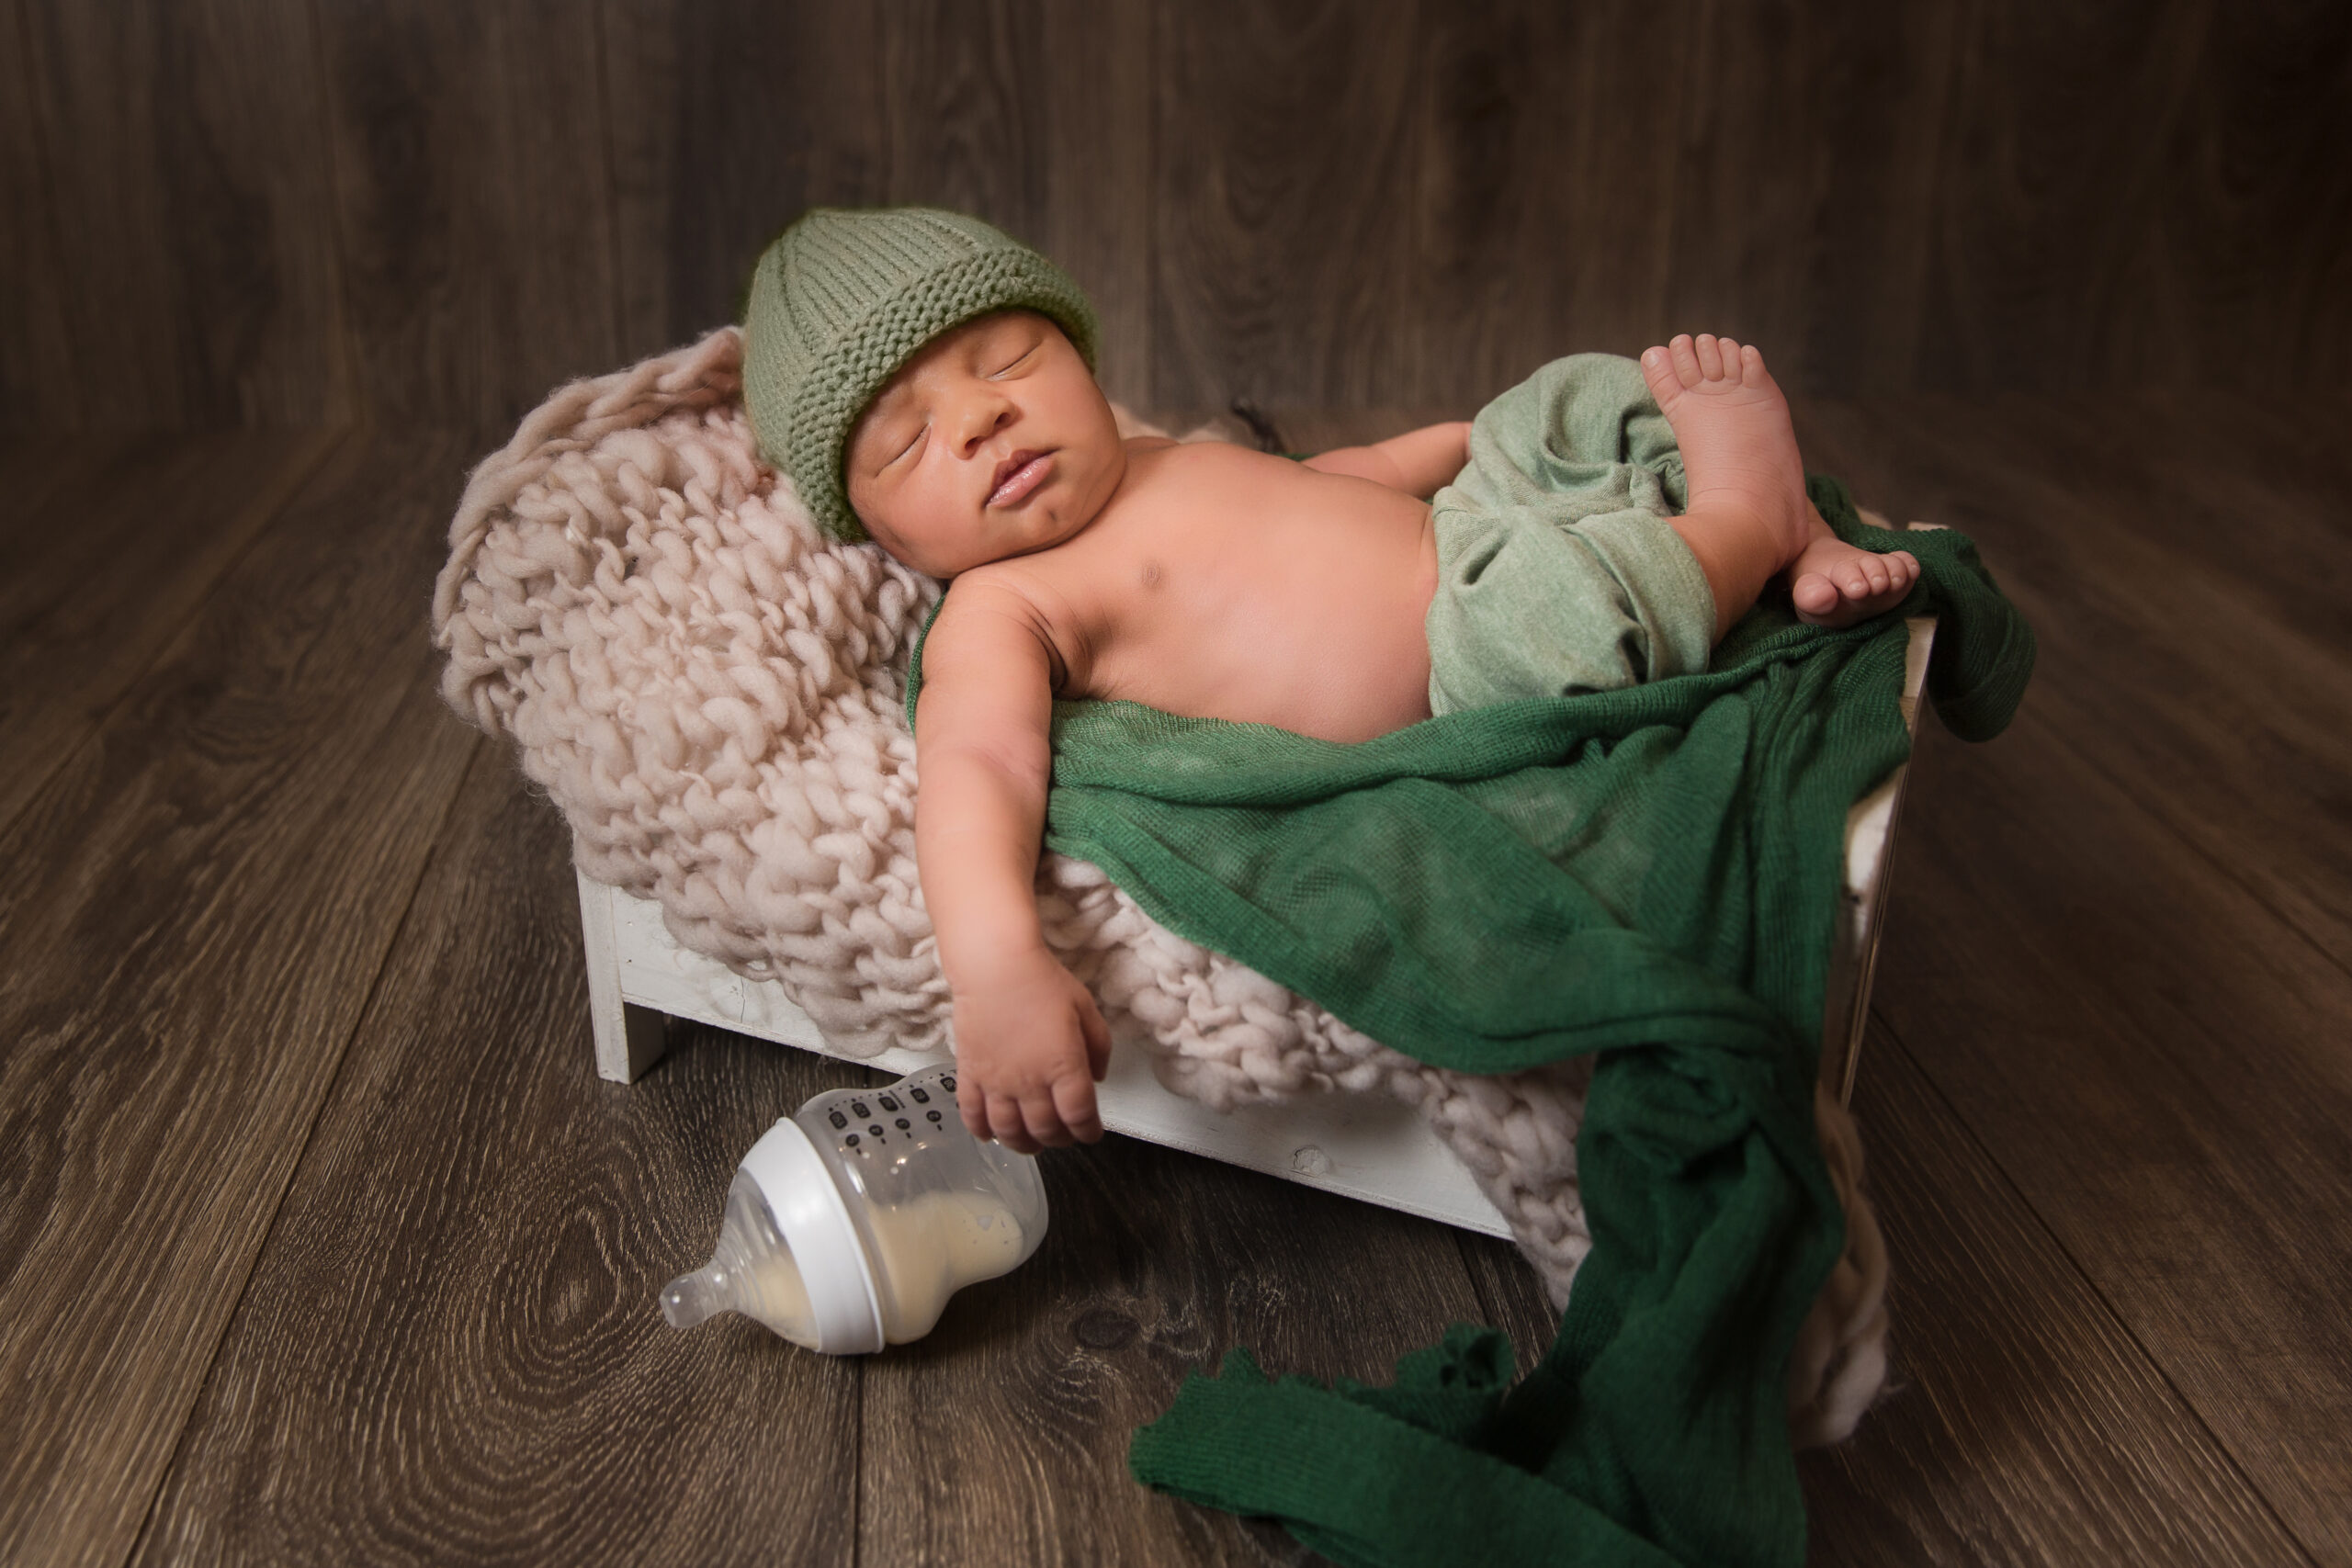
x=1313 y=623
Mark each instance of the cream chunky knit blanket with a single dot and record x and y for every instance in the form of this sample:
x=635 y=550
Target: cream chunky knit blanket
x=711 y=689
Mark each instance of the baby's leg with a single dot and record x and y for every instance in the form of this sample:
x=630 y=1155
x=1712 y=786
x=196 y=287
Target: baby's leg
x=1749 y=519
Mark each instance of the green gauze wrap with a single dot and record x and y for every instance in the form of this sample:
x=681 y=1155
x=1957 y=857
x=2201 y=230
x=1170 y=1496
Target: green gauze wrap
x=1651 y=873
x=845 y=296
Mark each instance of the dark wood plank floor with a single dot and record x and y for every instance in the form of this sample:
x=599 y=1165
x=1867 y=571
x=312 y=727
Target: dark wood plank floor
x=321 y=1242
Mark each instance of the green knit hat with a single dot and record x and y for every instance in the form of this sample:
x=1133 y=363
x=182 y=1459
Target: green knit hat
x=843 y=298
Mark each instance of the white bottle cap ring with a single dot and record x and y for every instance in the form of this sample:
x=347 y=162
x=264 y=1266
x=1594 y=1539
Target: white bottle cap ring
x=814 y=1220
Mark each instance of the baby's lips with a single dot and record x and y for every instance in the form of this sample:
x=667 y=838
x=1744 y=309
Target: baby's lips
x=1018 y=477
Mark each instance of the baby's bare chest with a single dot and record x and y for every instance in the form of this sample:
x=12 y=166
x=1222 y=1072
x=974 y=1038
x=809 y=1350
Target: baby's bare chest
x=1297 y=601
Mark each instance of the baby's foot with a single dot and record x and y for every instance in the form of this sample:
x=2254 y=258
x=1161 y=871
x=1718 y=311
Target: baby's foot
x=1834 y=584
x=1733 y=426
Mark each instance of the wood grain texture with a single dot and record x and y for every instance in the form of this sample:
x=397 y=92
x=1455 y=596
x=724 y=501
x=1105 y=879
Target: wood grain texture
x=1543 y=209
x=641 y=52
x=2026 y=1425
x=2118 y=948
x=1002 y=1437
x=1510 y=1295
x=729 y=120
x=1099 y=222
x=2158 y=1064
x=295 y=212
x=2057 y=161
x=2249 y=270
x=1802 y=184
x=40 y=386
x=189 y=184
x=192 y=912
x=1320 y=430
x=1776 y=179
x=474 y=204
x=451 y=1350
x=93 y=595
x=1284 y=149
x=2190 y=611
x=43 y=481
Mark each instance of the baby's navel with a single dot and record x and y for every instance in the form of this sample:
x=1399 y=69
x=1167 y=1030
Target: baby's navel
x=1149 y=575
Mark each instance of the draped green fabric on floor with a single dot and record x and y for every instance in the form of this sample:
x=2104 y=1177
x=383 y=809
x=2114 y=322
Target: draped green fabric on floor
x=1651 y=874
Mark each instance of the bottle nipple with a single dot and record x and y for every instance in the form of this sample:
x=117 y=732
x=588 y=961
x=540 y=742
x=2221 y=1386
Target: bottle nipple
x=750 y=1272
x=690 y=1298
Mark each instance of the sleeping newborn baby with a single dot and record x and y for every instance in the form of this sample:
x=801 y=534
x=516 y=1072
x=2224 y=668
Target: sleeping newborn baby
x=927 y=383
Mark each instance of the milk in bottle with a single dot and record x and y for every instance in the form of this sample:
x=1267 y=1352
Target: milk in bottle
x=851 y=1224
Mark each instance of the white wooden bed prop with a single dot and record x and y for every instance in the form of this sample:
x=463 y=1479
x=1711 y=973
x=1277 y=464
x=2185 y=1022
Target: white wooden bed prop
x=1367 y=1147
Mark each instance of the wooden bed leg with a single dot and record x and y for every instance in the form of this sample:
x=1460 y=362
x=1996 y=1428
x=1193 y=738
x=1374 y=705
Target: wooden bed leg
x=1861 y=913
x=628 y=1038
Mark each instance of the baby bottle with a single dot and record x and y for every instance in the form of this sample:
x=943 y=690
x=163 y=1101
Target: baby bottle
x=851 y=1221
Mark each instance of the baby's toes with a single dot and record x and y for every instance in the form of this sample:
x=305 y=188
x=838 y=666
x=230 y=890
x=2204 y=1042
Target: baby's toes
x=1897 y=572
x=1743 y=363
x=1684 y=355
x=1815 y=594
x=1901 y=572
x=1657 y=369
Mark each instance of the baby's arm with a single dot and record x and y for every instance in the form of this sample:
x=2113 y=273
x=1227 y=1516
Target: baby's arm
x=1029 y=1040
x=1419 y=462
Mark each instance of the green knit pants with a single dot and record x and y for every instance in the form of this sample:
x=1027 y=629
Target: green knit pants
x=1557 y=571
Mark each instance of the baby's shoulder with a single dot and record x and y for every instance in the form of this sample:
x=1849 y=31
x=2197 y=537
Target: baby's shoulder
x=996 y=590
x=1040 y=595
x=1166 y=466
x=992 y=624
x=1187 y=454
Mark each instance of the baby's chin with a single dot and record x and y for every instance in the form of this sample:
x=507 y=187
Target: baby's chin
x=950 y=558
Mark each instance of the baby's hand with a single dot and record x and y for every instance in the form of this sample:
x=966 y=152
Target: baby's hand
x=1030 y=1045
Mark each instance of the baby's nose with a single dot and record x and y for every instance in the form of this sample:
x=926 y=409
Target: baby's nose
x=984 y=419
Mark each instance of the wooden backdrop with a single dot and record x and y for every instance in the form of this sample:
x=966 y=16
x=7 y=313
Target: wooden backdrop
x=289 y=212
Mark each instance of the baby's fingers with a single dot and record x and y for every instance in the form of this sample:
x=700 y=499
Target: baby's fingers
x=972 y=1104
x=1074 y=1103
x=1008 y=1126
x=1042 y=1121
x=1097 y=1036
